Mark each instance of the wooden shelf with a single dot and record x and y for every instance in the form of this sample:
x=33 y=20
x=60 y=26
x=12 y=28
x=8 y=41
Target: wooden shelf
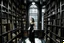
x=10 y=20
x=56 y=22
x=13 y=38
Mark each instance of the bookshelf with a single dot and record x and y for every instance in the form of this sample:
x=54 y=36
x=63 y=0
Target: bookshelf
x=24 y=13
x=10 y=21
x=54 y=21
x=24 y=19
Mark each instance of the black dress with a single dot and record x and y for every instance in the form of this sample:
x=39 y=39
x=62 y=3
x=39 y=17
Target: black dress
x=31 y=36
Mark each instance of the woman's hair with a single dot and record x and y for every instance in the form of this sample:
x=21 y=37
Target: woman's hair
x=33 y=20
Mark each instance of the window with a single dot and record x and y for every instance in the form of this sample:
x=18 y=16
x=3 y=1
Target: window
x=33 y=12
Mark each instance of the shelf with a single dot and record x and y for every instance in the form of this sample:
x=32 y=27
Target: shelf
x=13 y=38
x=50 y=8
x=52 y=38
x=3 y=6
x=54 y=21
x=62 y=5
x=10 y=12
x=3 y=34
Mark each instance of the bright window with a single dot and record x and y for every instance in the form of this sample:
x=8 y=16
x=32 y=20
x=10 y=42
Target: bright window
x=33 y=12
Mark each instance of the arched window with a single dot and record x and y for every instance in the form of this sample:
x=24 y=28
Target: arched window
x=33 y=12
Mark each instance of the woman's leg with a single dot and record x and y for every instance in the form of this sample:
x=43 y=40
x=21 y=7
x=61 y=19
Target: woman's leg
x=33 y=39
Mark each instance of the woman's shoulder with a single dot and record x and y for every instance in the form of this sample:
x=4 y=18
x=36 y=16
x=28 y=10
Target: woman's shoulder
x=32 y=24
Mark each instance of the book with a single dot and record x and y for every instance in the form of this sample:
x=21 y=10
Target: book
x=3 y=28
x=4 y=39
x=4 y=21
x=9 y=36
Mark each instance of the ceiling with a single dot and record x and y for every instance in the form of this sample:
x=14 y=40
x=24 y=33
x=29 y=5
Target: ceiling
x=42 y=2
x=37 y=0
x=33 y=0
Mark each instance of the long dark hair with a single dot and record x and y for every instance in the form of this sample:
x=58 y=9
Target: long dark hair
x=33 y=20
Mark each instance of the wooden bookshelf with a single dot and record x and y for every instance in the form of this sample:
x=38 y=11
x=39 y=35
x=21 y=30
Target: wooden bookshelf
x=24 y=14
x=10 y=21
x=54 y=21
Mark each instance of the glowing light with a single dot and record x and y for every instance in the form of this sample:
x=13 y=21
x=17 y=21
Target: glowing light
x=33 y=3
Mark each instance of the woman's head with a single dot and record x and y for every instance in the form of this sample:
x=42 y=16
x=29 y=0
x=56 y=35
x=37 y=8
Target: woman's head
x=32 y=19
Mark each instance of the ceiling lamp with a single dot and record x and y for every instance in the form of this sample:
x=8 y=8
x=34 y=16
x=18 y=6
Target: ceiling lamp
x=33 y=3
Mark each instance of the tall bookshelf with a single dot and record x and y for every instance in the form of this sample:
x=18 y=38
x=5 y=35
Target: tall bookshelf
x=24 y=19
x=24 y=13
x=54 y=21
x=10 y=21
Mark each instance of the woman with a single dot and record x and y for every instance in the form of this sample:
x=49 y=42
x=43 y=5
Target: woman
x=31 y=36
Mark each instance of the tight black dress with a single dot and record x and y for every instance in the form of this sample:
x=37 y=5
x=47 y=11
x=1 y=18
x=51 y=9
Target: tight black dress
x=31 y=36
